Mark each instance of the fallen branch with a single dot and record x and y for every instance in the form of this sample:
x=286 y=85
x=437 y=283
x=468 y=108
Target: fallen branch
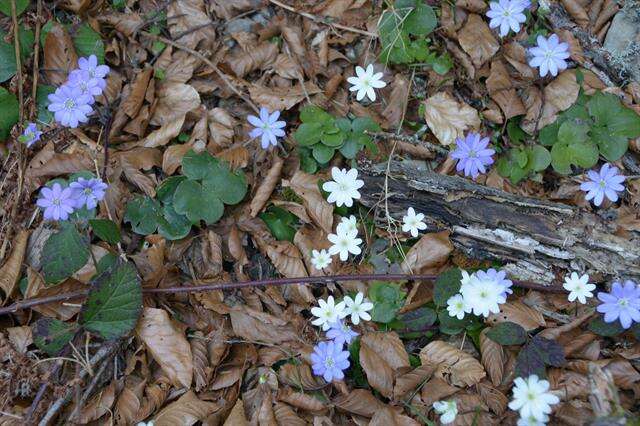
x=29 y=303
x=409 y=139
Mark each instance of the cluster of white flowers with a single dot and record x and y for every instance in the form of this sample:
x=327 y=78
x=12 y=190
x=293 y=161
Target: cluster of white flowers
x=329 y=312
x=532 y=399
x=481 y=293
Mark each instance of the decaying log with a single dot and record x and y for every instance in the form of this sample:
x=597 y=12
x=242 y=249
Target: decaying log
x=536 y=240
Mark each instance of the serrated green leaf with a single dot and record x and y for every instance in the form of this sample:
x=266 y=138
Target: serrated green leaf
x=507 y=333
x=51 y=335
x=106 y=230
x=88 y=42
x=197 y=165
x=446 y=286
x=21 y=6
x=114 y=302
x=64 y=253
x=9 y=112
x=143 y=213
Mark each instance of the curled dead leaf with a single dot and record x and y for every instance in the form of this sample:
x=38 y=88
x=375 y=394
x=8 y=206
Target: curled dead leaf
x=477 y=40
x=492 y=357
x=186 y=411
x=59 y=55
x=519 y=313
x=449 y=119
x=266 y=187
x=260 y=326
x=379 y=372
x=10 y=271
x=465 y=370
x=359 y=401
x=306 y=187
x=174 y=101
x=429 y=253
x=559 y=95
x=281 y=98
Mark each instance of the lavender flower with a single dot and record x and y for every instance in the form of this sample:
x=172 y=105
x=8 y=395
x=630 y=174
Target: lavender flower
x=607 y=182
x=622 y=303
x=70 y=105
x=31 y=134
x=498 y=278
x=473 y=155
x=87 y=192
x=88 y=85
x=506 y=14
x=267 y=126
x=549 y=55
x=58 y=203
x=329 y=361
x=341 y=333
x=90 y=65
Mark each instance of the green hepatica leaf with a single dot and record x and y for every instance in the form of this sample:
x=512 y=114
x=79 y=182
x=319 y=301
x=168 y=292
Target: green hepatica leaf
x=612 y=147
x=42 y=101
x=323 y=154
x=333 y=139
x=230 y=187
x=421 y=21
x=143 y=213
x=446 y=286
x=280 y=221
x=197 y=165
x=9 y=112
x=529 y=361
x=51 y=335
x=21 y=6
x=538 y=158
x=64 y=253
x=308 y=134
x=607 y=329
x=88 y=42
x=106 y=230
x=114 y=302
x=167 y=188
x=507 y=333
x=197 y=203
x=415 y=322
x=7 y=60
x=172 y=225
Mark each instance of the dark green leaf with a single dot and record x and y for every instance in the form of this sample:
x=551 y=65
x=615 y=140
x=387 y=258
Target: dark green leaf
x=143 y=213
x=388 y=300
x=7 y=60
x=529 y=361
x=42 y=100
x=88 y=42
x=322 y=153
x=167 y=188
x=607 y=329
x=171 y=225
x=279 y=222
x=106 y=262
x=51 y=335
x=114 y=302
x=612 y=147
x=230 y=187
x=550 y=351
x=421 y=21
x=415 y=322
x=197 y=165
x=21 y=6
x=446 y=286
x=9 y=112
x=308 y=134
x=64 y=253
x=106 y=230
x=507 y=333
x=197 y=203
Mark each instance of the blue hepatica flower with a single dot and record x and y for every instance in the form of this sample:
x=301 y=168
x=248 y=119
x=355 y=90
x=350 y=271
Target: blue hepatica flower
x=56 y=202
x=341 y=333
x=549 y=55
x=329 y=361
x=473 y=155
x=87 y=192
x=623 y=303
x=605 y=183
x=267 y=126
x=31 y=135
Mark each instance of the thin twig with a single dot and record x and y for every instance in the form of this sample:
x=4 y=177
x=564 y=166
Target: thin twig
x=409 y=139
x=322 y=20
x=16 y=45
x=207 y=61
x=29 y=303
x=85 y=396
x=36 y=62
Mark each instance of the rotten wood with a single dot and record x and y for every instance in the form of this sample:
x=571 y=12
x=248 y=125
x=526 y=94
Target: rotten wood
x=536 y=240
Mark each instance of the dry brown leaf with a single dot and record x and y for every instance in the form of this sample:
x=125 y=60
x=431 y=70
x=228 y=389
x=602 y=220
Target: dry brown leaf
x=221 y=125
x=477 y=40
x=186 y=411
x=492 y=357
x=429 y=253
x=137 y=90
x=260 y=326
x=126 y=23
x=59 y=55
x=201 y=369
x=286 y=416
x=237 y=156
x=132 y=162
x=499 y=78
x=510 y=103
x=227 y=377
x=516 y=55
x=172 y=157
x=390 y=348
x=236 y=416
x=559 y=95
x=465 y=370
x=519 y=313
x=281 y=98
x=163 y=135
x=127 y=407
x=286 y=67
x=449 y=119
x=493 y=398
x=174 y=101
x=379 y=372
x=10 y=271
x=266 y=187
x=99 y=405
x=577 y=12
x=60 y=310
x=243 y=61
x=359 y=401
x=167 y=345
x=286 y=258
x=304 y=401
x=306 y=187
x=300 y=376
x=436 y=389
x=532 y=97
x=410 y=381
x=384 y=417
x=397 y=102
x=189 y=20
x=20 y=338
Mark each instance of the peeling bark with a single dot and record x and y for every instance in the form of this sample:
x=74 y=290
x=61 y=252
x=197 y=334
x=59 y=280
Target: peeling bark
x=536 y=240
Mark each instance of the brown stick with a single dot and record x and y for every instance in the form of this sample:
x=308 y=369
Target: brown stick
x=16 y=45
x=29 y=303
x=36 y=62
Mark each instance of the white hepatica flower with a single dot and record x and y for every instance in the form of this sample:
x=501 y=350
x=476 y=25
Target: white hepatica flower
x=448 y=411
x=506 y=14
x=532 y=421
x=532 y=399
x=343 y=189
x=466 y=279
x=149 y=423
x=549 y=56
x=320 y=259
x=357 y=308
x=365 y=82
x=345 y=243
x=327 y=312
x=483 y=297
x=578 y=287
x=413 y=223
x=347 y=225
x=457 y=306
